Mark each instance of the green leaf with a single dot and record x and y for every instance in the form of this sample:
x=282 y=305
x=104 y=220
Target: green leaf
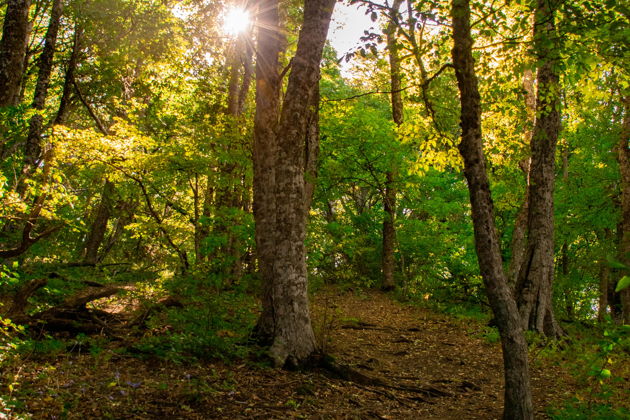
x=622 y=284
x=615 y=264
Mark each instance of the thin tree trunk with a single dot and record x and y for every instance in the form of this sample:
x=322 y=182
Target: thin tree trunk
x=68 y=84
x=99 y=225
x=125 y=211
x=564 y=252
x=518 y=400
x=604 y=279
x=535 y=281
x=30 y=223
x=623 y=157
x=32 y=148
x=230 y=175
x=13 y=44
x=202 y=230
x=389 y=193
x=519 y=236
x=247 y=72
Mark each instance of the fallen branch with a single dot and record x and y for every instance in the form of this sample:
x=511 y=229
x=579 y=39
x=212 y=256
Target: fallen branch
x=142 y=317
x=73 y=315
x=386 y=394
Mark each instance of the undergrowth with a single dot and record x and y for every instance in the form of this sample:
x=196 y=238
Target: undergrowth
x=211 y=323
x=599 y=361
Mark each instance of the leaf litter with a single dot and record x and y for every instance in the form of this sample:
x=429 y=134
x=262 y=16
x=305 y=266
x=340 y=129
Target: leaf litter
x=427 y=365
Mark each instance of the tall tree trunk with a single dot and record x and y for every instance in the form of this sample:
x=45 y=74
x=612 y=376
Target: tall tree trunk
x=534 y=286
x=99 y=225
x=229 y=188
x=623 y=157
x=569 y=299
x=518 y=400
x=13 y=44
x=125 y=211
x=32 y=148
x=202 y=230
x=389 y=193
x=269 y=46
x=68 y=83
x=604 y=279
x=519 y=236
x=293 y=341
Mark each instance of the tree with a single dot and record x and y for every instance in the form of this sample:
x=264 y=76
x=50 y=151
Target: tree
x=623 y=157
x=12 y=50
x=534 y=286
x=389 y=195
x=518 y=400
x=228 y=199
x=32 y=147
x=268 y=83
x=519 y=243
x=280 y=146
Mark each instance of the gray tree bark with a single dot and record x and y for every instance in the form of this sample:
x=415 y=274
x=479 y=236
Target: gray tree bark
x=519 y=236
x=534 y=285
x=269 y=46
x=518 y=400
x=286 y=305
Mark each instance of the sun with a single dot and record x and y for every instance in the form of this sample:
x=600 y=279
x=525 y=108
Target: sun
x=236 y=21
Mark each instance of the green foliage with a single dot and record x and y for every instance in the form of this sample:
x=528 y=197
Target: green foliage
x=210 y=325
x=47 y=347
x=154 y=75
x=9 y=339
x=597 y=361
x=622 y=284
x=491 y=335
x=10 y=344
x=576 y=409
x=9 y=276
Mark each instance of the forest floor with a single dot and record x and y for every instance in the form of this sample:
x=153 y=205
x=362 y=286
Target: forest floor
x=436 y=366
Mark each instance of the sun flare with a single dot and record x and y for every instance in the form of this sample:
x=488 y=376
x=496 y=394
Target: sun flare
x=236 y=21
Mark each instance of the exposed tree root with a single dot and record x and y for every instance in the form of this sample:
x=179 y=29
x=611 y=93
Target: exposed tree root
x=352 y=375
x=364 y=326
x=387 y=394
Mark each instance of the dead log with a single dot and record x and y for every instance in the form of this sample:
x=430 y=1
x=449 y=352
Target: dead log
x=73 y=316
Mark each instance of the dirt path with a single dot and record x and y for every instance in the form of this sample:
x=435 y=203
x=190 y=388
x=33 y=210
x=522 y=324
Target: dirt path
x=410 y=348
x=415 y=347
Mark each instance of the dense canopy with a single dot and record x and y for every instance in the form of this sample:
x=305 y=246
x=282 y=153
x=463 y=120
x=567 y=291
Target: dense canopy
x=184 y=177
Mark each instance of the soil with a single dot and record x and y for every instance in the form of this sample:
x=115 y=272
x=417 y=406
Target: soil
x=435 y=366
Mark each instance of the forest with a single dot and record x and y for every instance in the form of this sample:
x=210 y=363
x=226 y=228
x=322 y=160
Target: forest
x=209 y=211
